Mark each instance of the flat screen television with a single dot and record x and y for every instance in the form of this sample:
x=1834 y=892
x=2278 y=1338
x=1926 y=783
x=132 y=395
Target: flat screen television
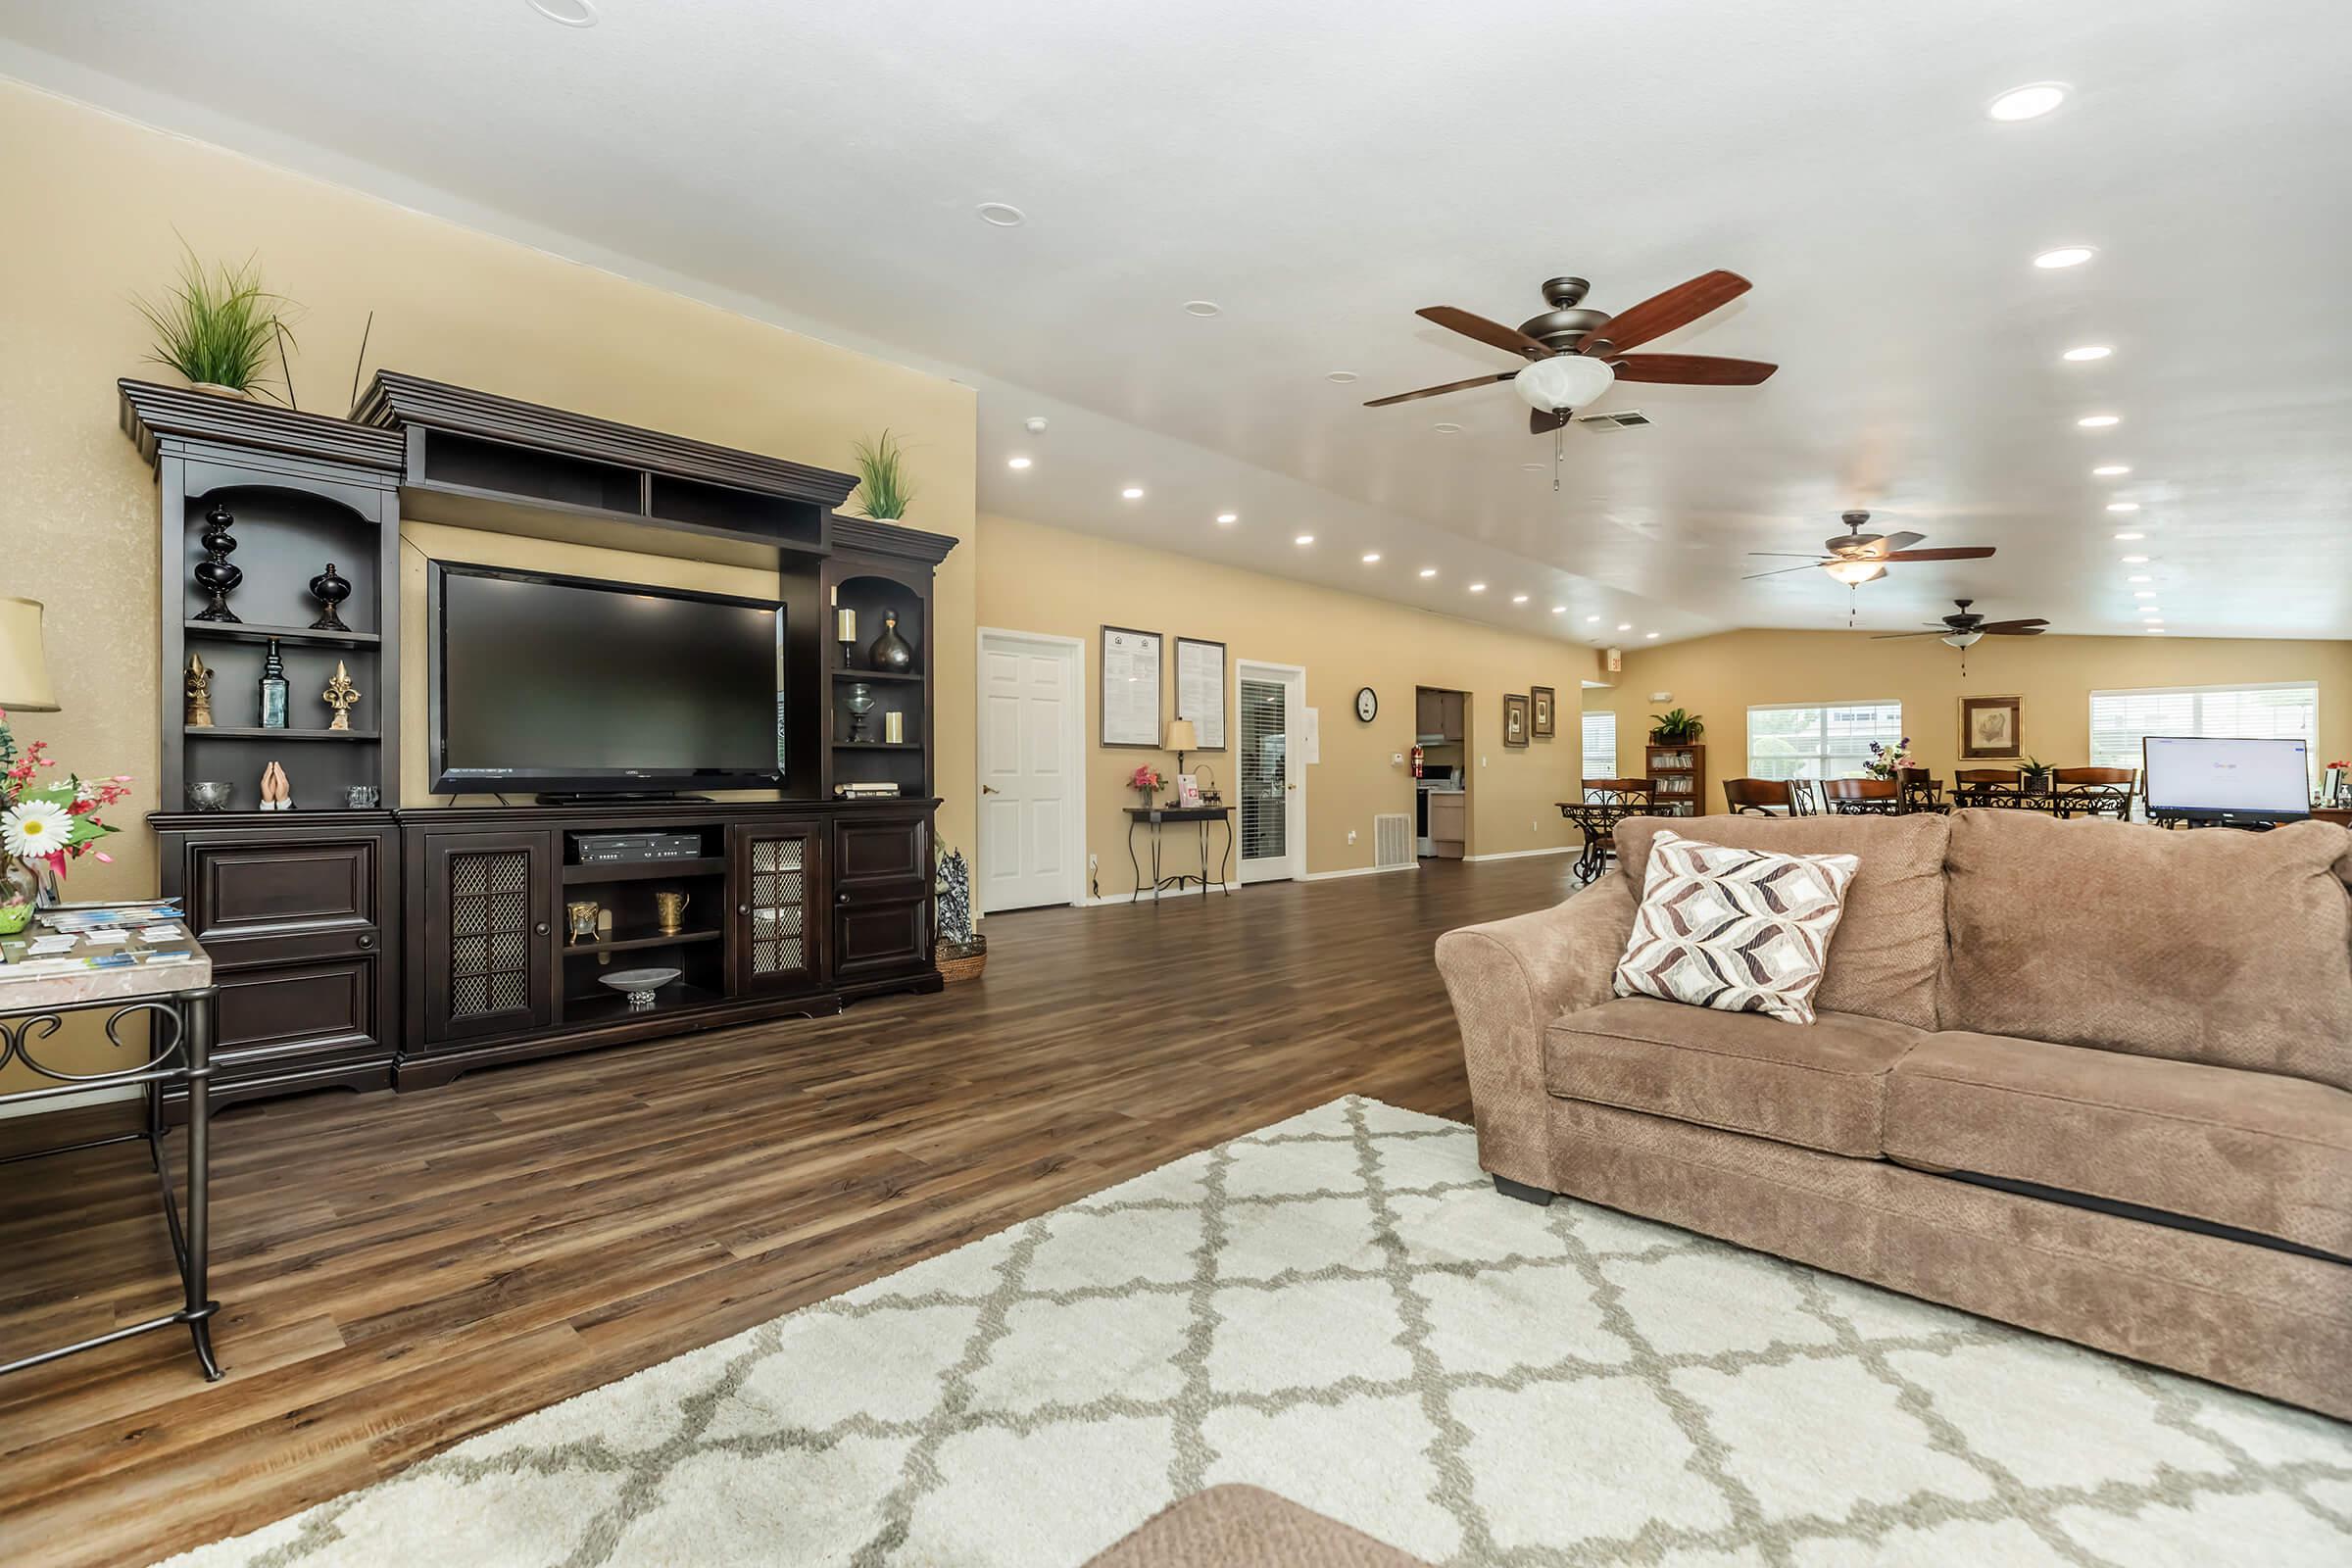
x=2218 y=780
x=569 y=685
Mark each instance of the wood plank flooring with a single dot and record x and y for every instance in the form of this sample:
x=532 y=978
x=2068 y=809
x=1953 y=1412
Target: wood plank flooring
x=398 y=1272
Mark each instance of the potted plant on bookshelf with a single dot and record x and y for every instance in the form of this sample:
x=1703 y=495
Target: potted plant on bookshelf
x=43 y=826
x=962 y=952
x=1676 y=728
x=217 y=327
x=883 y=493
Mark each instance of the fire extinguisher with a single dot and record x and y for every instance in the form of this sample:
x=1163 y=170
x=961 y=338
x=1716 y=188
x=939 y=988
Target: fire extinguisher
x=1416 y=761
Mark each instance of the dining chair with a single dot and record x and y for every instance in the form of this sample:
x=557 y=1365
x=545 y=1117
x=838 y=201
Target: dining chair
x=1919 y=790
x=1986 y=786
x=1600 y=841
x=1862 y=796
x=1802 y=802
x=2095 y=790
x=1758 y=797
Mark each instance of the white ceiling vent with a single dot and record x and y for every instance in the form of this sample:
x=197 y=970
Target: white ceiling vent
x=1623 y=419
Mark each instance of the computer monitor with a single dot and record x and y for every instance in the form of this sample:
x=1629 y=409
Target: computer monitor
x=2216 y=780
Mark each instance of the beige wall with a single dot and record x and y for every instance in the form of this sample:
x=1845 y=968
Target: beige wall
x=1721 y=677
x=91 y=204
x=1039 y=579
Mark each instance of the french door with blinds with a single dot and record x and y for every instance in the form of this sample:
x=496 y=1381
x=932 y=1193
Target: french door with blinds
x=1272 y=779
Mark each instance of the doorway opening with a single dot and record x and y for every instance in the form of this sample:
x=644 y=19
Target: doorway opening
x=1442 y=794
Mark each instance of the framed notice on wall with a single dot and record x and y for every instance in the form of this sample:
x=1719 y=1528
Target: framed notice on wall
x=1200 y=689
x=1130 y=687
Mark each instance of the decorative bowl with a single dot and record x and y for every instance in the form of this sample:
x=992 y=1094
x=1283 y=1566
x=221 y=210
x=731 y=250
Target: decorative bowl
x=640 y=984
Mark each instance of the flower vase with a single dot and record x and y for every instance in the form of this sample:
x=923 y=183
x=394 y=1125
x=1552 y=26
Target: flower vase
x=22 y=891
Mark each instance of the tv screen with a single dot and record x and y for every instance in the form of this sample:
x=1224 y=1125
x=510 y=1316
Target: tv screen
x=571 y=684
x=2254 y=780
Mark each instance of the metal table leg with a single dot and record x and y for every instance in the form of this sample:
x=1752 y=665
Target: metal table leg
x=1224 y=880
x=1132 y=864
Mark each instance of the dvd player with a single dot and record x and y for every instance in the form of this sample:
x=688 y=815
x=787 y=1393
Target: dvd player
x=615 y=848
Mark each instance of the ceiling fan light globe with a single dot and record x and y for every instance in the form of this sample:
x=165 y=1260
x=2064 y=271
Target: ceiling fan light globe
x=1563 y=381
x=1854 y=573
x=1962 y=639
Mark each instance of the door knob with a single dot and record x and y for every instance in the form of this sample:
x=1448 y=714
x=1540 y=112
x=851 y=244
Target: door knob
x=988 y=789
x=743 y=908
x=540 y=929
x=367 y=941
x=841 y=898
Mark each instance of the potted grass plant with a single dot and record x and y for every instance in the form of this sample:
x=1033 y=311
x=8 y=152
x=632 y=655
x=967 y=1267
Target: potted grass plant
x=218 y=327
x=883 y=492
x=1676 y=728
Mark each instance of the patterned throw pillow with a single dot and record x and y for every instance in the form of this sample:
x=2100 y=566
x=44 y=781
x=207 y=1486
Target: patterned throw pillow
x=1737 y=930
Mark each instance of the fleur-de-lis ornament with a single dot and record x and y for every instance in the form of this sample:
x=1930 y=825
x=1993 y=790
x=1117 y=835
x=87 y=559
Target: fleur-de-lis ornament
x=340 y=695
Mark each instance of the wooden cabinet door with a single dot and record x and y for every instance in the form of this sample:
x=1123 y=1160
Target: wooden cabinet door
x=774 y=942
x=1429 y=712
x=1451 y=722
x=881 y=876
x=485 y=949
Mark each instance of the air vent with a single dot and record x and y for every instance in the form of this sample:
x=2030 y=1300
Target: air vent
x=1392 y=839
x=1624 y=418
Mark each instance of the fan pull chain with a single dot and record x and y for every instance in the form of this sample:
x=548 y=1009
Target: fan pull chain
x=1559 y=455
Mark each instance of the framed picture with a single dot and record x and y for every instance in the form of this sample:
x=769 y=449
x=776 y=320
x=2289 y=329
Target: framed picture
x=1989 y=727
x=1188 y=790
x=1514 y=719
x=1130 y=710
x=1541 y=728
x=1200 y=689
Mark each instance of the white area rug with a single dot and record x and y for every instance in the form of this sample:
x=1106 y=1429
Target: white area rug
x=1341 y=1309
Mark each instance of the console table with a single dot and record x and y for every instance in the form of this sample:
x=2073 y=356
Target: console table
x=175 y=997
x=1158 y=818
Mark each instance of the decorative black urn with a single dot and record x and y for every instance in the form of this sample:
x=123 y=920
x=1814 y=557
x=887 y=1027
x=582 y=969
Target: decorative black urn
x=330 y=589
x=891 y=651
x=214 y=573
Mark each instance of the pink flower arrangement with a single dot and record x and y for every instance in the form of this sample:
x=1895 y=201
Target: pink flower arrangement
x=1147 y=780
x=45 y=825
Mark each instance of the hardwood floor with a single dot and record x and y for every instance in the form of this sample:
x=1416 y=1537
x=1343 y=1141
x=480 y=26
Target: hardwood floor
x=398 y=1272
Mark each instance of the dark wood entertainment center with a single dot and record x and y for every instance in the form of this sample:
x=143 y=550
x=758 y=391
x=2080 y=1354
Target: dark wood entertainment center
x=358 y=946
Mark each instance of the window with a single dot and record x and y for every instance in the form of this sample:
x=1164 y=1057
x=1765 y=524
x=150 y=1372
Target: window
x=1818 y=740
x=1600 y=746
x=2121 y=720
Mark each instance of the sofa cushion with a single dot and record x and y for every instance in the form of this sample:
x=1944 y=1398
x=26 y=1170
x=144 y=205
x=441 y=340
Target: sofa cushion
x=1734 y=930
x=1823 y=1086
x=2262 y=1152
x=1887 y=951
x=2226 y=947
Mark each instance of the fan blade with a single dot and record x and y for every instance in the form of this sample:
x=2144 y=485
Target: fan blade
x=1437 y=391
x=1794 y=555
x=1889 y=636
x=1541 y=422
x=1901 y=541
x=1956 y=552
x=1780 y=571
x=2030 y=628
x=1493 y=333
x=1661 y=314
x=1692 y=370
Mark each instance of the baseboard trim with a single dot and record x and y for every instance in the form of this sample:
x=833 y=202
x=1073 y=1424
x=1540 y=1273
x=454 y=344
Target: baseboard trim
x=87 y=1097
x=1522 y=854
x=1360 y=870
x=1102 y=900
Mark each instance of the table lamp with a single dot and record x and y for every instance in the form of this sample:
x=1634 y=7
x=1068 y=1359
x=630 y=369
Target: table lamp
x=1181 y=738
x=23 y=671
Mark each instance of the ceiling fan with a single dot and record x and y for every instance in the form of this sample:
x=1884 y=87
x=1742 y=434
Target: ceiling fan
x=1575 y=355
x=1965 y=631
x=1855 y=558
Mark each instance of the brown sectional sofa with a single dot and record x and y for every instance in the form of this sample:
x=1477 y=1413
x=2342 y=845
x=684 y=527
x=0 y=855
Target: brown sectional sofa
x=2084 y=1076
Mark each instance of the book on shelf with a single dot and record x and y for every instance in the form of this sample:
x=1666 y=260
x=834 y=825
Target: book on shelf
x=866 y=792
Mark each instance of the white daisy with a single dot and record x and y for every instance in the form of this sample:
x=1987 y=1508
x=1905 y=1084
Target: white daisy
x=35 y=827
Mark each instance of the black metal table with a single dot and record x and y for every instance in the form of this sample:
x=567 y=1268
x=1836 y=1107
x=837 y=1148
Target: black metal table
x=1158 y=816
x=1598 y=820
x=177 y=1001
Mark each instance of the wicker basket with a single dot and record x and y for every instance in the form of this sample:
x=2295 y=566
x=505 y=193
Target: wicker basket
x=962 y=960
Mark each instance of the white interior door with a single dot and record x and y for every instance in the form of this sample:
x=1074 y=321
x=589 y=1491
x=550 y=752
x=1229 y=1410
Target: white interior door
x=1272 y=775
x=1031 y=794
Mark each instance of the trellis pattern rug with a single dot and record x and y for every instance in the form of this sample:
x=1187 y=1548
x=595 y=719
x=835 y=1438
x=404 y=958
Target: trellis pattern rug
x=1340 y=1308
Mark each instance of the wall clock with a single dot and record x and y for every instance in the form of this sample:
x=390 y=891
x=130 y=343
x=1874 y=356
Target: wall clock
x=1367 y=705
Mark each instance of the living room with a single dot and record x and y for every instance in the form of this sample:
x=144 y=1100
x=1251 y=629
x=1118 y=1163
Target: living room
x=715 y=747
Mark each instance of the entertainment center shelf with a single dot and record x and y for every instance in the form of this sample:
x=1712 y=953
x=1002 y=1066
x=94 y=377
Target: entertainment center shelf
x=360 y=945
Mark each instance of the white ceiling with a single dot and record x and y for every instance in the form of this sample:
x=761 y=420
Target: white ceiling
x=1321 y=169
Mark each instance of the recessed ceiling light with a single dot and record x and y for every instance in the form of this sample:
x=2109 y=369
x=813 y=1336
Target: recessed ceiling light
x=2099 y=422
x=1518 y=599
x=1428 y=572
x=1305 y=539
x=1202 y=307
x=2087 y=351
x=1371 y=556
x=2029 y=102
x=1134 y=492
x=2141 y=578
x=1226 y=520
x=2144 y=593
x=2127 y=538
x=2122 y=506
x=2063 y=256
x=1589 y=619
x=1341 y=376
x=2135 y=560
x=570 y=13
x=1651 y=635
x=1535 y=468
x=1625 y=625
x=2155 y=631
x=1001 y=214
x=1016 y=462
x=1447 y=428
x=2112 y=471
x=1476 y=587
x=1560 y=609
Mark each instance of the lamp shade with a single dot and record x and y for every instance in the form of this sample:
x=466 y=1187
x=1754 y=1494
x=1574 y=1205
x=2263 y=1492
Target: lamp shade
x=1563 y=381
x=1182 y=737
x=23 y=667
